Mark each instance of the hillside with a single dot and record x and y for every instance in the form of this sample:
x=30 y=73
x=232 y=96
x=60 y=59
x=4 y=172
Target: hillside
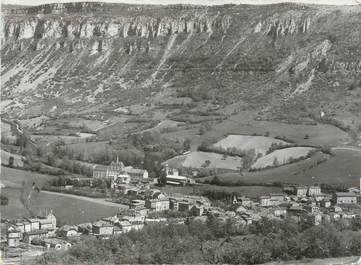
x=95 y=58
x=162 y=80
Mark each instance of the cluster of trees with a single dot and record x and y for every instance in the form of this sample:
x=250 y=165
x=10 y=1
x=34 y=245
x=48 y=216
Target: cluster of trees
x=75 y=167
x=216 y=242
x=290 y=160
x=62 y=181
x=229 y=183
x=205 y=127
x=3 y=200
x=276 y=146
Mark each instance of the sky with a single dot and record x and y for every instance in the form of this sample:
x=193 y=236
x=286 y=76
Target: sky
x=198 y=2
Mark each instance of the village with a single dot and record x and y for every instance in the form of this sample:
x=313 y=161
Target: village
x=148 y=205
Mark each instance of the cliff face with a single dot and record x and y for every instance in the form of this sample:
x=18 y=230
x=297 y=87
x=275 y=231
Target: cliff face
x=117 y=55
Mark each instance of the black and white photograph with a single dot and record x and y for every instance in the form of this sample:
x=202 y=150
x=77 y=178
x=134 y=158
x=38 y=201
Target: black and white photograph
x=180 y=132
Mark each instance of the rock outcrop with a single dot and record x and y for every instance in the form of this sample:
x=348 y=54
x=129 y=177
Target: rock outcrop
x=68 y=50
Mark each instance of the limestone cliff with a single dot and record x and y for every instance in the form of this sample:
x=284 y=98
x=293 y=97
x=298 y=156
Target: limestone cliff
x=115 y=55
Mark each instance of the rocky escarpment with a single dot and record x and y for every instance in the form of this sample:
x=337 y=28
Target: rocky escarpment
x=96 y=53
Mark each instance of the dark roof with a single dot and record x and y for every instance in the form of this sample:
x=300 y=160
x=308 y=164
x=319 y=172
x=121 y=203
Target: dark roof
x=37 y=232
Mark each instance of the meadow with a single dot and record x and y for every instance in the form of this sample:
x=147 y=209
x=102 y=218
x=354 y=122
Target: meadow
x=15 y=178
x=198 y=160
x=341 y=169
x=302 y=134
x=260 y=144
x=244 y=123
x=281 y=157
x=67 y=210
x=18 y=160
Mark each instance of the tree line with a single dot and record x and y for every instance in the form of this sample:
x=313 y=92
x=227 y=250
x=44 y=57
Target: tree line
x=214 y=241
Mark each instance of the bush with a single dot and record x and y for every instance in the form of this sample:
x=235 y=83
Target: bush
x=3 y=200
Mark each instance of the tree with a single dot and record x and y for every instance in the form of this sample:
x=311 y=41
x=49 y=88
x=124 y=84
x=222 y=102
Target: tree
x=3 y=200
x=206 y=163
x=275 y=162
x=11 y=161
x=162 y=176
x=51 y=159
x=186 y=144
x=202 y=130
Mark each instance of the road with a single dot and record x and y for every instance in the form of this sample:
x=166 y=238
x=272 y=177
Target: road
x=94 y=200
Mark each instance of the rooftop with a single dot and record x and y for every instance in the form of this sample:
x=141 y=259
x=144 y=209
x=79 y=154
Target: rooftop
x=345 y=194
x=173 y=177
x=37 y=232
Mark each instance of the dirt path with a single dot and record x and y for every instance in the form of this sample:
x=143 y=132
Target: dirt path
x=348 y=148
x=94 y=200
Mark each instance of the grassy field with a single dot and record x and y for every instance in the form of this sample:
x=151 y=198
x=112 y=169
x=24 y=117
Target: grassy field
x=88 y=149
x=244 y=123
x=166 y=125
x=67 y=210
x=5 y=128
x=250 y=191
x=282 y=156
x=260 y=144
x=197 y=160
x=18 y=160
x=6 y=132
x=344 y=168
x=11 y=177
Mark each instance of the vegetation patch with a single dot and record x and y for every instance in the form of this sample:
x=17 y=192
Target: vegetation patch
x=261 y=144
x=205 y=160
x=282 y=157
